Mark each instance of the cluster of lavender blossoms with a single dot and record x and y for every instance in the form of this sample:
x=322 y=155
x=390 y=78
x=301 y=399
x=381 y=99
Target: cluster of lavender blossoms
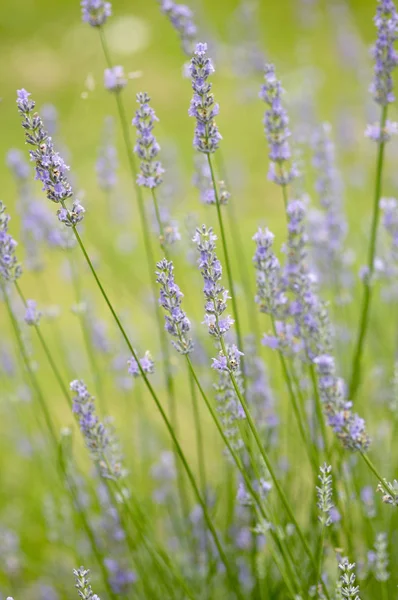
x=147 y=148
x=10 y=269
x=146 y=363
x=181 y=17
x=202 y=180
x=32 y=315
x=99 y=439
x=324 y=493
x=177 y=323
x=203 y=107
x=386 y=59
x=50 y=167
x=95 y=12
x=277 y=132
x=83 y=584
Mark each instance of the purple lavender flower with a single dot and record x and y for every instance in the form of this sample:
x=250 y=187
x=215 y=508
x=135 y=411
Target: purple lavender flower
x=386 y=59
x=228 y=405
x=147 y=147
x=10 y=269
x=95 y=12
x=381 y=135
x=107 y=162
x=230 y=362
x=98 y=438
x=83 y=584
x=114 y=79
x=32 y=315
x=164 y=473
x=120 y=578
x=19 y=167
x=203 y=181
x=50 y=167
x=270 y=296
x=277 y=132
x=177 y=323
x=146 y=362
x=181 y=17
x=348 y=426
x=203 y=107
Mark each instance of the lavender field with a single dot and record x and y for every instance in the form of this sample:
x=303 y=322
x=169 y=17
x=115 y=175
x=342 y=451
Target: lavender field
x=198 y=300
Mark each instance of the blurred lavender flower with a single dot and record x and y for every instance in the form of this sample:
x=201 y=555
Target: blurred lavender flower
x=177 y=323
x=49 y=115
x=348 y=426
x=10 y=552
x=228 y=405
x=83 y=584
x=146 y=362
x=95 y=12
x=181 y=17
x=259 y=393
x=381 y=561
x=147 y=147
x=248 y=58
x=386 y=59
x=114 y=79
x=392 y=496
x=277 y=132
x=50 y=167
x=164 y=473
x=10 y=269
x=270 y=296
x=203 y=107
x=98 y=333
x=107 y=162
x=99 y=439
x=375 y=133
x=32 y=315
x=348 y=588
x=324 y=493
x=203 y=181
x=16 y=162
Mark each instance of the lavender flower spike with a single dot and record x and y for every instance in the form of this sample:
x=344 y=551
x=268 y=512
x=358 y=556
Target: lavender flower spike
x=348 y=588
x=146 y=362
x=386 y=58
x=147 y=147
x=10 y=269
x=50 y=167
x=277 y=132
x=270 y=296
x=181 y=17
x=98 y=438
x=203 y=107
x=95 y=12
x=83 y=584
x=177 y=323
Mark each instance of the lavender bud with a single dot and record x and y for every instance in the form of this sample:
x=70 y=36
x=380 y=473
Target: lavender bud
x=114 y=79
x=203 y=107
x=32 y=315
x=71 y=217
x=276 y=128
x=348 y=588
x=392 y=496
x=229 y=363
x=386 y=59
x=228 y=405
x=95 y=12
x=147 y=147
x=83 y=584
x=375 y=133
x=177 y=323
x=98 y=438
x=181 y=17
x=10 y=269
x=203 y=181
x=324 y=493
x=146 y=362
x=381 y=557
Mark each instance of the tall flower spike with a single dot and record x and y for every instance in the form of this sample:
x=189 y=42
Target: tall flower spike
x=177 y=323
x=349 y=590
x=10 y=269
x=270 y=296
x=203 y=107
x=324 y=493
x=386 y=59
x=147 y=147
x=181 y=17
x=83 y=584
x=99 y=439
x=50 y=167
x=277 y=131
x=95 y=12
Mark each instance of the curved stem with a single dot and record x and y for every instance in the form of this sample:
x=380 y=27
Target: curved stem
x=367 y=292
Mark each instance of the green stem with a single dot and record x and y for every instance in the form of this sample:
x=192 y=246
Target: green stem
x=375 y=472
x=227 y=260
x=367 y=292
x=181 y=455
x=319 y=412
